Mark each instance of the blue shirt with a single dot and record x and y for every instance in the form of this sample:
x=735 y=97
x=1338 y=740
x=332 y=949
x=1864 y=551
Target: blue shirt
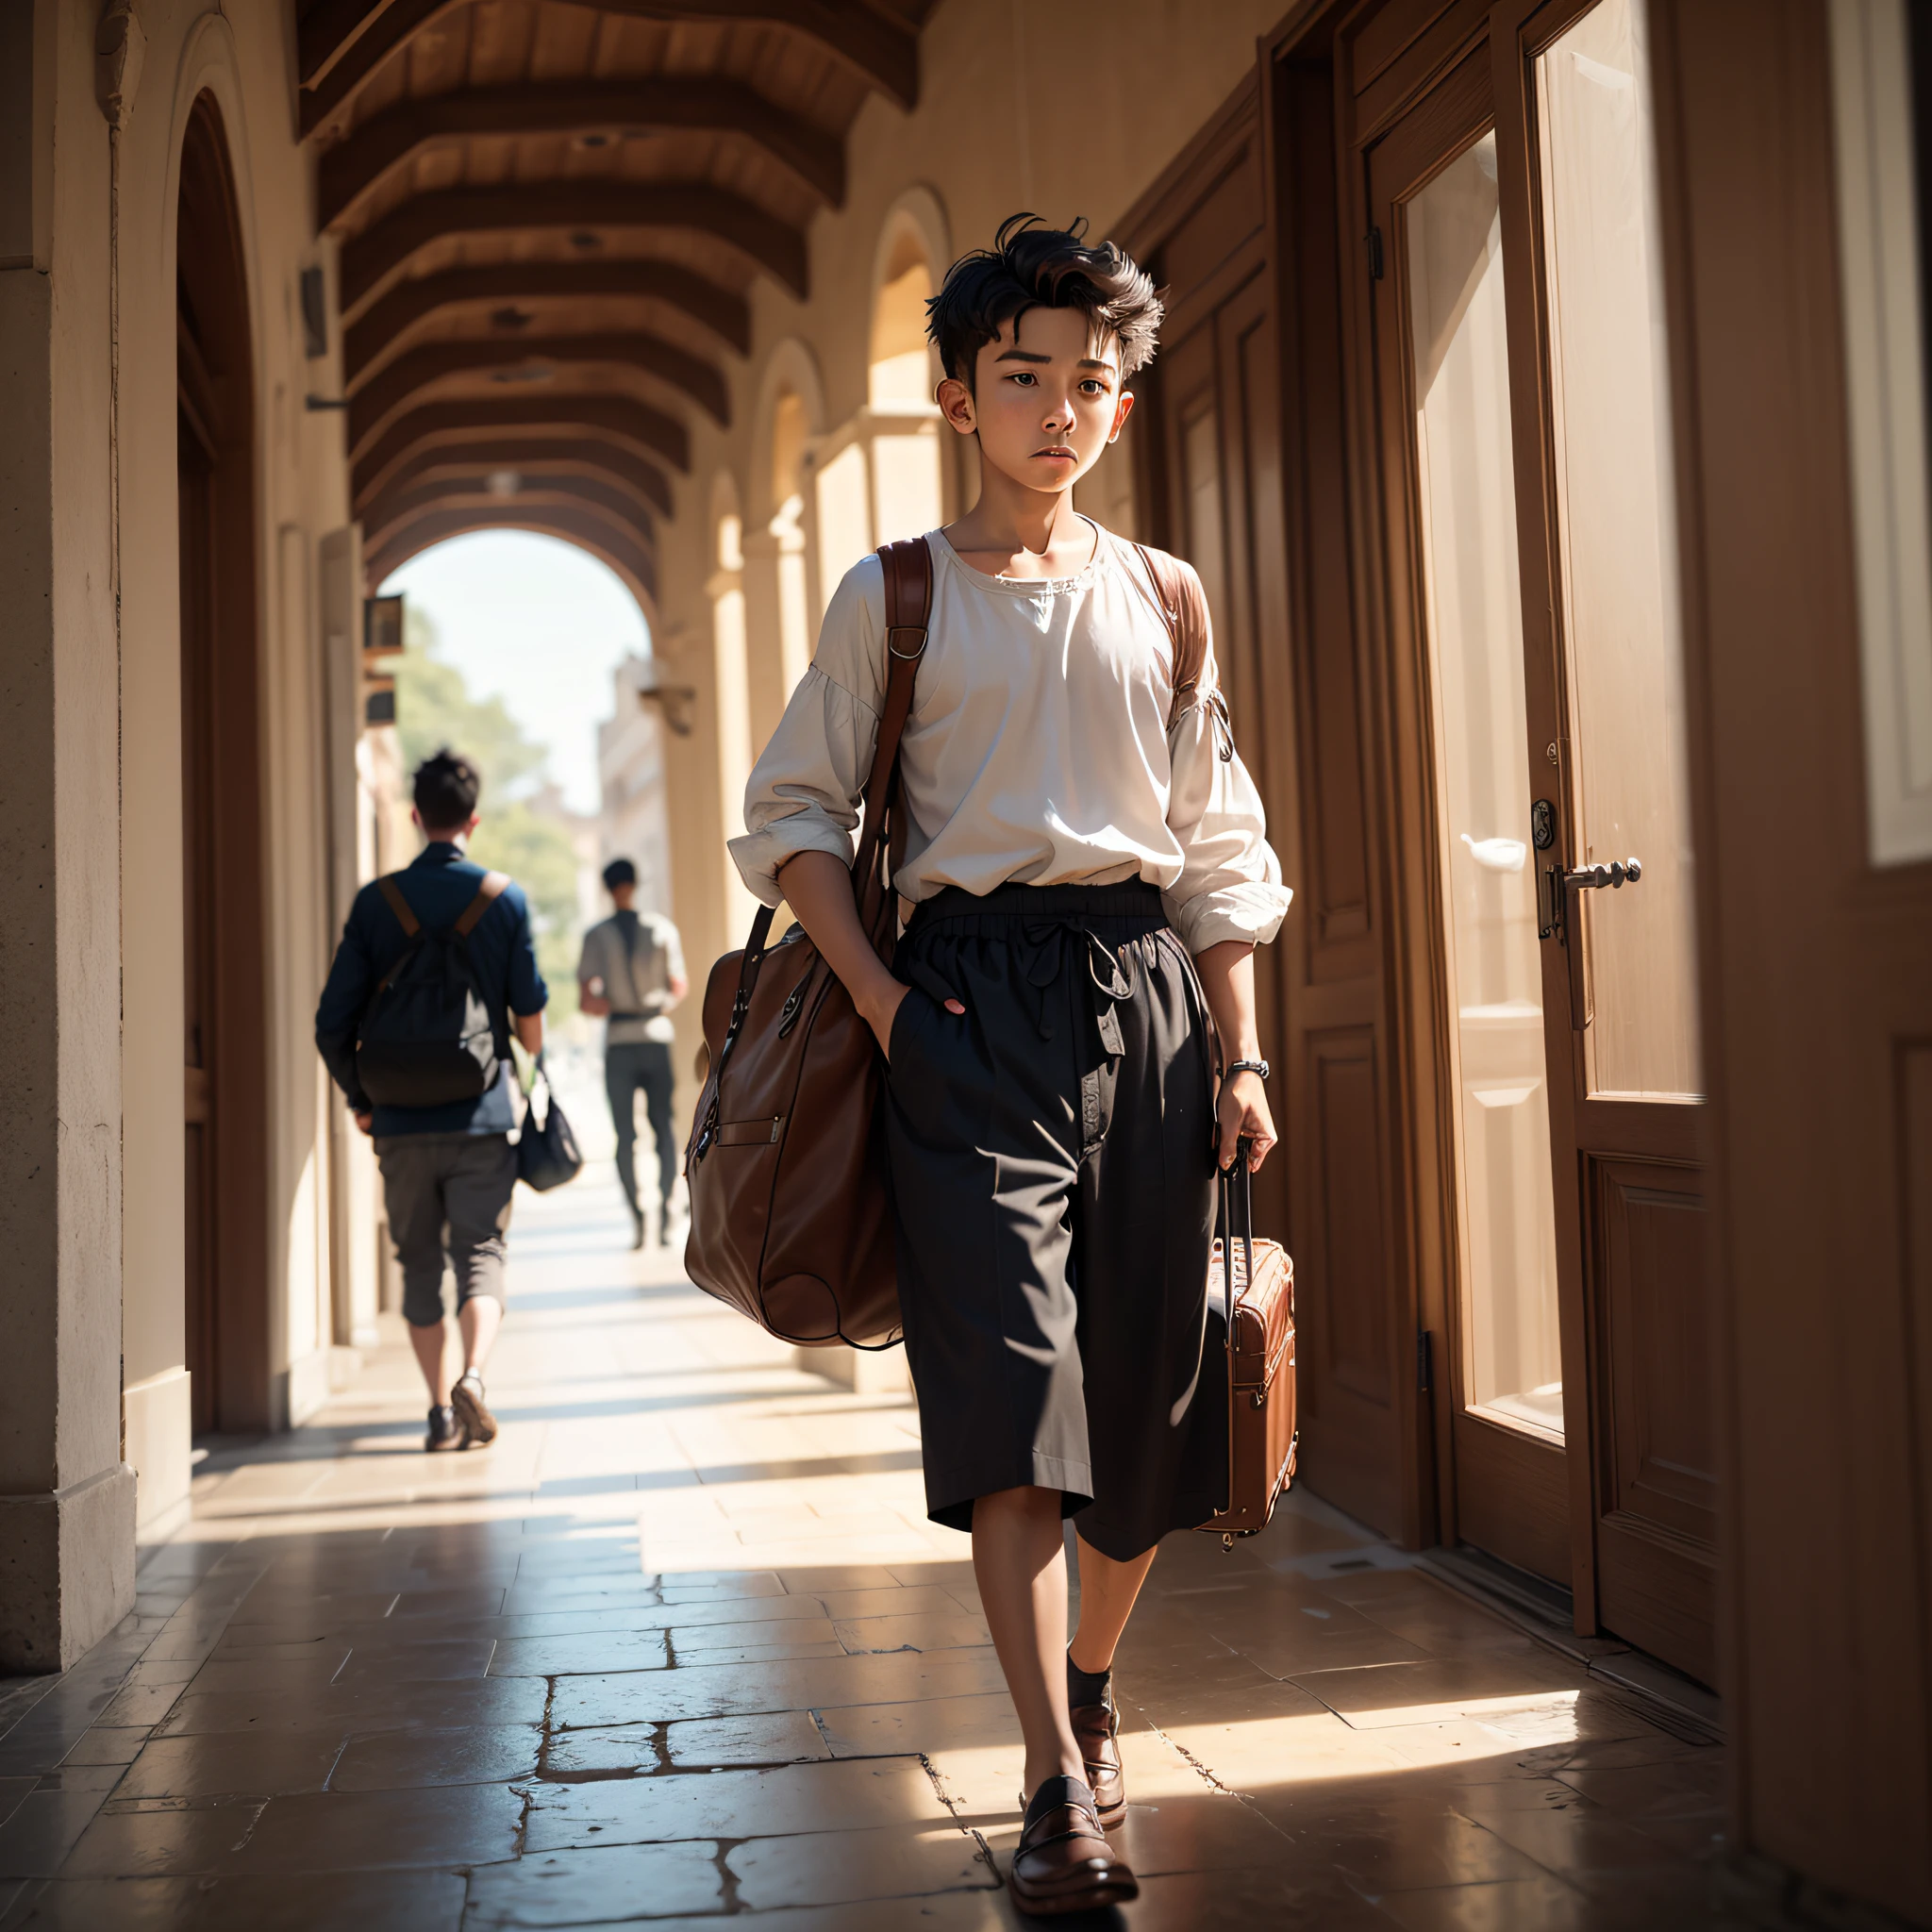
x=437 y=886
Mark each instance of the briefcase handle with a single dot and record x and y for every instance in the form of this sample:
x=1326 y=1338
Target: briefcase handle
x=1236 y=1216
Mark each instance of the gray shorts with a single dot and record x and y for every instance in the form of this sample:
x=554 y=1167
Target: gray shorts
x=1053 y=1174
x=449 y=1198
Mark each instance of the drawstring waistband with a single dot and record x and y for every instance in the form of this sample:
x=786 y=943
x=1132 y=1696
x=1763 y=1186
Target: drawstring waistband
x=1058 y=922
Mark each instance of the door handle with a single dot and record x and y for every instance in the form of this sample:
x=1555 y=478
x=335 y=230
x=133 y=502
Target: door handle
x=1557 y=884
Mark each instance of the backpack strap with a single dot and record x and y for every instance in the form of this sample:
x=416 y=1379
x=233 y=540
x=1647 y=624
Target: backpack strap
x=1183 y=609
x=387 y=886
x=487 y=893
x=908 y=608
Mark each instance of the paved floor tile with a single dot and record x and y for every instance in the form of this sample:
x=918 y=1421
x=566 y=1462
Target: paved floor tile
x=614 y=1883
x=470 y=1754
x=735 y=1804
x=836 y=1867
x=231 y=1763
x=418 y=1900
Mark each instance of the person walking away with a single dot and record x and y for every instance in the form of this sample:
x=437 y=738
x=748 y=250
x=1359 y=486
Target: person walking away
x=448 y=1169
x=631 y=974
x=1089 y=877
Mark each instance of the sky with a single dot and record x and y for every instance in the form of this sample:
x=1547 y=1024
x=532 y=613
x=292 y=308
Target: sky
x=540 y=623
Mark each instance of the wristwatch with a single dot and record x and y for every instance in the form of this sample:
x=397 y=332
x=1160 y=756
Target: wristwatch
x=1247 y=1067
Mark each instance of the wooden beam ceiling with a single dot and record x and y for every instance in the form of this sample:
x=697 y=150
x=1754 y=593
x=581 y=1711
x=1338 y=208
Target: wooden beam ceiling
x=538 y=456
x=472 y=491
x=726 y=315
x=629 y=424
x=570 y=364
x=373 y=258
x=349 y=172
x=341 y=44
x=575 y=524
x=387 y=394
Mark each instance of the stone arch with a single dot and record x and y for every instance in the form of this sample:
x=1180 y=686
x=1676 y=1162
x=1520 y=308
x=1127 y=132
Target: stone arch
x=907 y=460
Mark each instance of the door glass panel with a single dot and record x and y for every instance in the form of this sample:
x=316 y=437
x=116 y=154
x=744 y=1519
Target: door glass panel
x=1511 y=1361
x=1616 y=531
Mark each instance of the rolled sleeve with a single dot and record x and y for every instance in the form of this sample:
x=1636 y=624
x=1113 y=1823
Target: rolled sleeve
x=804 y=792
x=1230 y=884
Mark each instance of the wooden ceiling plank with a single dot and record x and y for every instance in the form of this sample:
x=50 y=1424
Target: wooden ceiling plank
x=387 y=394
x=881 y=48
x=349 y=172
x=343 y=41
x=610 y=419
x=726 y=315
x=342 y=70
x=643 y=483
x=369 y=259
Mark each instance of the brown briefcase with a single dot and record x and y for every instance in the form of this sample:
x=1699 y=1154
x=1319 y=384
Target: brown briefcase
x=791 y=1218
x=1259 y=1327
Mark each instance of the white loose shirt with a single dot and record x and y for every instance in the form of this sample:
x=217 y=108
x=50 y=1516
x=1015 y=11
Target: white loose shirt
x=1038 y=752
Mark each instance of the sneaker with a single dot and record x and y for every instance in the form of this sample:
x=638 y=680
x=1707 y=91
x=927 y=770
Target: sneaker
x=479 y=1426
x=442 y=1427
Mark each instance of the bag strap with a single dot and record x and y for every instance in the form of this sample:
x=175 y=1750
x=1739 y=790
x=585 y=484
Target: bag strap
x=1183 y=611
x=487 y=893
x=908 y=610
x=388 y=886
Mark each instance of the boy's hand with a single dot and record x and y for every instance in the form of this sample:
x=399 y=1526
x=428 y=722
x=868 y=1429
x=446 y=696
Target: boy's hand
x=1241 y=1114
x=366 y=1122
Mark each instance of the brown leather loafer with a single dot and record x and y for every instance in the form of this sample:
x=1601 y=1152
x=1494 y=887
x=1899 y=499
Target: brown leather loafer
x=1064 y=1862
x=1097 y=1730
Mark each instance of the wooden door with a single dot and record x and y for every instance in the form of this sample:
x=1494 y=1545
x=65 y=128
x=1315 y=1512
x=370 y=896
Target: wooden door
x=225 y=1099
x=1456 y=612
x=1610 y=772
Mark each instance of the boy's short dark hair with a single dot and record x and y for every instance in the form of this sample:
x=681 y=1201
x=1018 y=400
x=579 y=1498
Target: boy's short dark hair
x=1031 y=266
x=620 y=872
x=446 y=788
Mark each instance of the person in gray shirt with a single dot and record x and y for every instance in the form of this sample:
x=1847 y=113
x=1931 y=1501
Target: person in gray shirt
x=632 y=974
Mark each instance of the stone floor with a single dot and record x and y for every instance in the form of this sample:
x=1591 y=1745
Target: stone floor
x=682 y=1644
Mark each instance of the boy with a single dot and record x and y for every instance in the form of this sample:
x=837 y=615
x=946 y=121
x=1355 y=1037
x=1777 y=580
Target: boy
x=631 y=974
x=443 y=1167
x=1090 y=876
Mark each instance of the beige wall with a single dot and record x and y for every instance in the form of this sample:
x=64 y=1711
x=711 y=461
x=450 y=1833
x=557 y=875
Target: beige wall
x=101 y=260
x=992 y=134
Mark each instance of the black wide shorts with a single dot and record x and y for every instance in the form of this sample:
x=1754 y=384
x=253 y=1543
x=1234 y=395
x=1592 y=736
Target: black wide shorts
x=1053 y=1170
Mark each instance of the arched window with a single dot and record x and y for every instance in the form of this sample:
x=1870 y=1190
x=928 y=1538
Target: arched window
x=906 y=483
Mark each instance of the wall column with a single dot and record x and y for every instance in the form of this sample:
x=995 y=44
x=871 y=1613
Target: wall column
x=66 y=1497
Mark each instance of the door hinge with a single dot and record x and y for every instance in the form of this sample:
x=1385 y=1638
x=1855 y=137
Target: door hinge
x=1424 y=1361
x=1374 y=239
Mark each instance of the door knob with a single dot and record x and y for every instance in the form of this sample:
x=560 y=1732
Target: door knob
x=1612 y=874
x=1557 y=884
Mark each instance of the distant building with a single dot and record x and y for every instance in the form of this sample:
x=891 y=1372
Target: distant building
x=630 y=767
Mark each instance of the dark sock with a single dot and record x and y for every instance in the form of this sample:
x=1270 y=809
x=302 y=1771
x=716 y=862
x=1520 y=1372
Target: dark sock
x=1059 y=1791
x=1085 y=1687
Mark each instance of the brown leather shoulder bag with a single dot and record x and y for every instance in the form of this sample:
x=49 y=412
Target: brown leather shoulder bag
x=791 y=1220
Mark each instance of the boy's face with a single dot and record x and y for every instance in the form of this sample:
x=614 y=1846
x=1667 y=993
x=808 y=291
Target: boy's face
x=1046 y=399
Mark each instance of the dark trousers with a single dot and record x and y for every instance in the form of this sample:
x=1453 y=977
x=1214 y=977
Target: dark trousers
x=1052 y=1177
x=449 y=1195
x=629 y=1067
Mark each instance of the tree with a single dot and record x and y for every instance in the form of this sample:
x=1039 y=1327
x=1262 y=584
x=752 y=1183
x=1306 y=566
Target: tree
x=435 y=708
